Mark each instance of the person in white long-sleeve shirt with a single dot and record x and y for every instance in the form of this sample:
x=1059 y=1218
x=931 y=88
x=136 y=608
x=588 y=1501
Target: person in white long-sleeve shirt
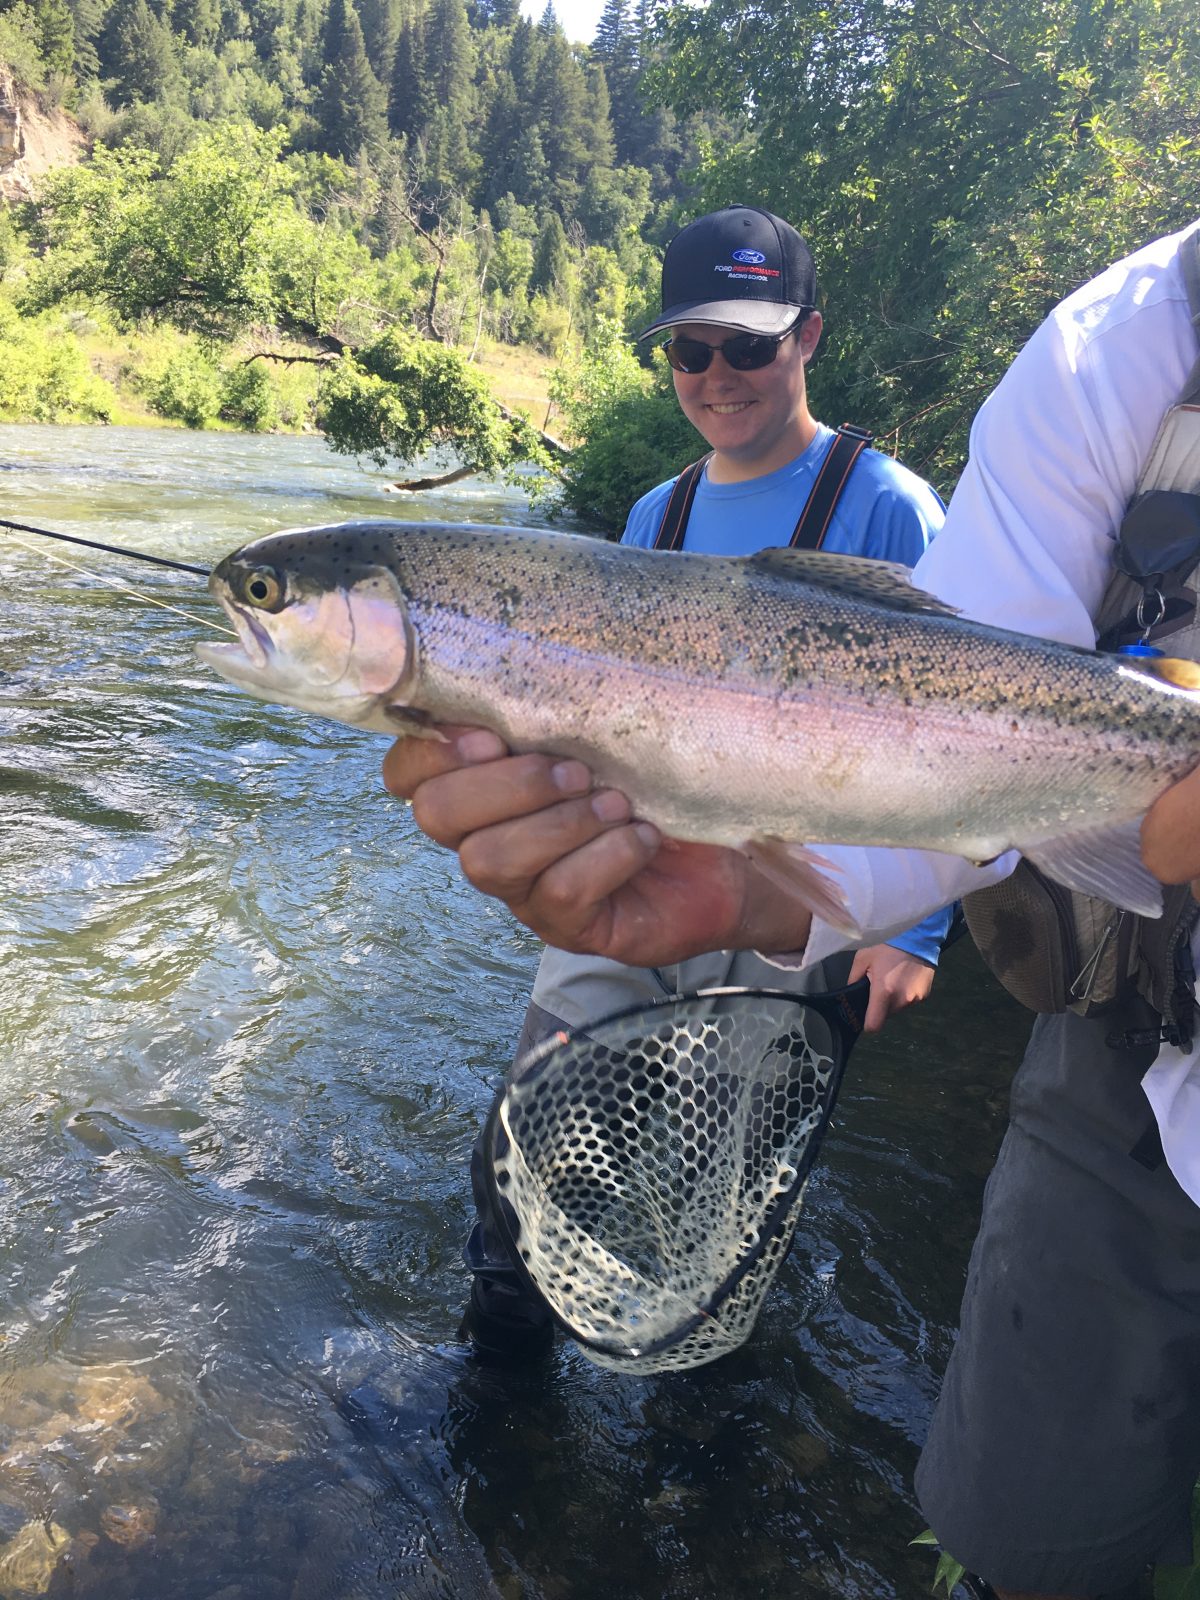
x=1067 y=1439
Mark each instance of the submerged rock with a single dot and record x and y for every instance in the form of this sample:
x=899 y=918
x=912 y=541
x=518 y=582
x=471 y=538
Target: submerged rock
x=28 y=1560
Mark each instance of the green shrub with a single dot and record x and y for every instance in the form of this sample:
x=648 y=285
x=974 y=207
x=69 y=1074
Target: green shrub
x=248 y=397
x=45 y=376
x=187 y=388
x=630 y=429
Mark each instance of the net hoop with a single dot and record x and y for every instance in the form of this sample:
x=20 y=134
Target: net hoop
x=647 y=1172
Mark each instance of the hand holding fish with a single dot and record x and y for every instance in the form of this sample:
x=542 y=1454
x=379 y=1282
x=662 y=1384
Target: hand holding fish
x=1171 y=834
x=570 y=864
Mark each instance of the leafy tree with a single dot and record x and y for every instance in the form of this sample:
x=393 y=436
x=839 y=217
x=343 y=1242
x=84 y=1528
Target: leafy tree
x=195 y=246
x=402 y=396
x=630 y=429
x=957 y=166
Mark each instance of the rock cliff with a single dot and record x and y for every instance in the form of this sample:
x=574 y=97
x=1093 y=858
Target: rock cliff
x=33 y=138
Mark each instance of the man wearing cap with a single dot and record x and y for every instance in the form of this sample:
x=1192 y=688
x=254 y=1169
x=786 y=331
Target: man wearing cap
x=739 y=301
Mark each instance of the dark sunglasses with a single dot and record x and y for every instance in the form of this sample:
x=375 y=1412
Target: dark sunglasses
x=745 y=352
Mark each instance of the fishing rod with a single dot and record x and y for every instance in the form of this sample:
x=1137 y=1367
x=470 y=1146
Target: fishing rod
x=110 y=549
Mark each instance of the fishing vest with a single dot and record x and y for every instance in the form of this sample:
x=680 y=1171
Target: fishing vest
x=1052 y=948
x=848 y=444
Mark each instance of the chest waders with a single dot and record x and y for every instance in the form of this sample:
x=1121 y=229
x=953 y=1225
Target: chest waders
x=1057 y=951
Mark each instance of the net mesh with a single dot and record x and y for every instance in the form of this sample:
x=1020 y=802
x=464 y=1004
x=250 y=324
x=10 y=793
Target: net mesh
x=651 y=1172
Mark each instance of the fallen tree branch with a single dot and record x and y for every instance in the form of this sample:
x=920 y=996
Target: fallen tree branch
x=414 y=485
x=278 y=355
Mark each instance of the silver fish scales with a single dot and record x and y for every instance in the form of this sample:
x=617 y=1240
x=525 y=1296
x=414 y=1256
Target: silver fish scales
x=769 y=702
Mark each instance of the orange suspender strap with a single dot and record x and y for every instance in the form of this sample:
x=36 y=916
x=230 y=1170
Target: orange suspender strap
x=848 y=444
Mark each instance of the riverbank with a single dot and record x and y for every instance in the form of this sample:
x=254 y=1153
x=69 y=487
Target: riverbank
x=76 y=366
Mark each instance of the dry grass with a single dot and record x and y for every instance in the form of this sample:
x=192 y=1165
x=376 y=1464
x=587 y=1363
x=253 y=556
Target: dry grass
x=519 y=377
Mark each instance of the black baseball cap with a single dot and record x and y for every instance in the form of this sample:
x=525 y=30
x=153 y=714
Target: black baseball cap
x=738 y=268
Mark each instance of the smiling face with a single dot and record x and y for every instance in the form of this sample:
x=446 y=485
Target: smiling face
x=755 y=422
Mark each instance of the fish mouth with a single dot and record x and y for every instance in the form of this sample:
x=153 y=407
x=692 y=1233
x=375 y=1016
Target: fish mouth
x=248 y=661
x=252 y=636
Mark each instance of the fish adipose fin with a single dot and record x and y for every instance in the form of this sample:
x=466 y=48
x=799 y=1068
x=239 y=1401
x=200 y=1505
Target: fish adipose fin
x=1105 y=862
x=1170 y=669
x=807 y=876
x=881 y=583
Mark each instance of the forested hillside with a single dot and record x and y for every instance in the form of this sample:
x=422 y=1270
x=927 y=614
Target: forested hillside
x=328 y=208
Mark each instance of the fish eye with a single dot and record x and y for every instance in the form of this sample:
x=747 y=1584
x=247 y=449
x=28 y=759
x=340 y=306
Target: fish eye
x=263 y=589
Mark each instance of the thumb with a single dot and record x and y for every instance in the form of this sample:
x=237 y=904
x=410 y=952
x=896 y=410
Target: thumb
x=860 y=967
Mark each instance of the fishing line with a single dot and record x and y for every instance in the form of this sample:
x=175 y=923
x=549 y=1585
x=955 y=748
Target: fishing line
x=122 y=588
x=110 y=549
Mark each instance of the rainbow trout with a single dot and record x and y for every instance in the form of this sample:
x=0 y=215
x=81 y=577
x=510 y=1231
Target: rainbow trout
x=769 y=702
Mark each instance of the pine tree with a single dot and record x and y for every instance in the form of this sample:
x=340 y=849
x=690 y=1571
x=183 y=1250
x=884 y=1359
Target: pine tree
x=88 y=18
x=560 y=99
x=410 y=100
x=55 y=34
x=523 y=56
x=597 y=122
x=611 y=29
x=380 y=25
x=530 y=170
x=350 y=106
x=552 y=257
x=198 y=20
x=136 y=52
x=449 y=56
x=548 y=21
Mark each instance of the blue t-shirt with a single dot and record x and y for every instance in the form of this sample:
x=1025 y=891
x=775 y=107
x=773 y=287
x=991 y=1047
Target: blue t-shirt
x=885 y=511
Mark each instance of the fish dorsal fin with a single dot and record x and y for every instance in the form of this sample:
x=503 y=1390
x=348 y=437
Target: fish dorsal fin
x=881 y=583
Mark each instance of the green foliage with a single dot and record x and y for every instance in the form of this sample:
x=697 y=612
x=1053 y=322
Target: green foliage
x=352 y=104
x=403 y=396
x=200 y=245
x=248 y=397
x=957 y=168
x=187 y=387
x=44 y=375
x=631 y=432
x=948 y=1571
x=19 y=44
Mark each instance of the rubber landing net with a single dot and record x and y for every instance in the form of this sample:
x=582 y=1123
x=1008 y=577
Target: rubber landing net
x=648 y=1173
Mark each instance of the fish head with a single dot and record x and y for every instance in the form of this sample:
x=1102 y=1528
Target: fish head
x=322 y=624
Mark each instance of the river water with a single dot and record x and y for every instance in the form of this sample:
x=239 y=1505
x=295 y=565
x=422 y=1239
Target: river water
x=250 y=1022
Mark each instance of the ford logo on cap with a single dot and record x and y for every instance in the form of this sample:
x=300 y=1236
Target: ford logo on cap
x=752 y=258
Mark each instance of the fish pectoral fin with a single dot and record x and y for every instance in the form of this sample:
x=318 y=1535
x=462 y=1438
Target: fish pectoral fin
x=413 y=724
x=1104 y=862
x=808 y=877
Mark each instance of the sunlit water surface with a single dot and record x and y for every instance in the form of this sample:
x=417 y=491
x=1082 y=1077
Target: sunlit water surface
x=250 y=1022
